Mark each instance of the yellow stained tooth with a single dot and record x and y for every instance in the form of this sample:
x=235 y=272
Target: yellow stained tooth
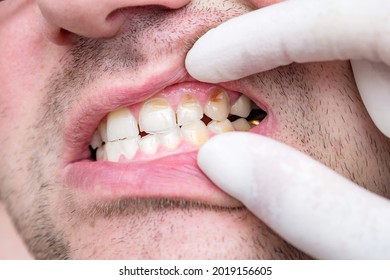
x=218 y=105
x=157 y=116
x=196 y=133
x=189 y=110
x=220 y=126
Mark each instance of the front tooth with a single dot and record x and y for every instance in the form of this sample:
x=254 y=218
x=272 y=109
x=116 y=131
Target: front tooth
x=96 y=140
x=220 y=126
x=196 y=133
x=149 y=144
x=218 y=105
x=170 y=139
x=127 y=147
x=241 y=125
x=242 y=107
x=121 y=124
x=156 y=116
x=189 y=110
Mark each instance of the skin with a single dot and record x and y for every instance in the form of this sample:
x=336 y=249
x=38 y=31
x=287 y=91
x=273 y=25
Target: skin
x=45 y=72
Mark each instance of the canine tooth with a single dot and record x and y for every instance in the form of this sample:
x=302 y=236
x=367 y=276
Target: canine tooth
x=156 y=116
x=170 y=139
x=127 y=147
x=121 y=124
x=96 y=140
x=101 y=154
x=189 y=110
x=218 y=106
x=149 y=144
x=242 y=107
x=241 y=125
x=220 y=126
x=195 y=133
x=103 y=131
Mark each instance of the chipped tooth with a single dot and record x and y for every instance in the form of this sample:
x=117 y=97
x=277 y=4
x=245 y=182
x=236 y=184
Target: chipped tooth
x=127 y=148
x=189 y=110
x=242 y=107
x=96 y=140
x=149 y=144
x=218 y=105
x=101 y=154
x=196 y=133
x=121 y=124
x=220 y=126
x=170 y=139
x=103 y=131
x=241 y=125
x=157 y=116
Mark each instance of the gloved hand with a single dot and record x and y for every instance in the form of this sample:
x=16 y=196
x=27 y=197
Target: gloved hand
x=311 y=206
x=304 y=31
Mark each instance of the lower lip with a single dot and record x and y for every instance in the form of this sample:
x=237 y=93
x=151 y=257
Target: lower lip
x=173 y=177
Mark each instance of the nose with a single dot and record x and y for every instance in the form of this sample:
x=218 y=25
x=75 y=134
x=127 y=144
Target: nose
x=90 y=18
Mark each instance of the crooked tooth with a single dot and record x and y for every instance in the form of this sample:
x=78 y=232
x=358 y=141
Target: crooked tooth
x=127 y=147
x=196 y=133
x=149 y=144
x=218 y=106
x=121 y=124
x=241 y=125
x=189 y=110
x=96 y=140
x=220 y=126
x=156 y=116
x=242 y=107
x=102 y=128
x=170 y=139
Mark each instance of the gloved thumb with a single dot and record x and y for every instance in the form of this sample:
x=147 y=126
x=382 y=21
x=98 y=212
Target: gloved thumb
x=306 y=203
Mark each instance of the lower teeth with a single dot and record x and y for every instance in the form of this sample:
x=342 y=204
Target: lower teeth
x=189 y=127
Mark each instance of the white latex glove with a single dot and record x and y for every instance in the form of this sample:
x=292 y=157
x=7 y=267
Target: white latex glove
x=304 y=31
x=311 y=206
x=306 y=203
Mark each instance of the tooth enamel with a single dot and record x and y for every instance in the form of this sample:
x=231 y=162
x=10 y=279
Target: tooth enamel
x=127 y=147
x=195 y=133
x=241 y=125
x=218 y=106
x=220 y=126
x=149 y=144
x=156 y=116
x=189 y=110
x=101 y=153
x=121 y=124
x=103 y=131
x=242 y=107
x=96 y=140
x=170 y=139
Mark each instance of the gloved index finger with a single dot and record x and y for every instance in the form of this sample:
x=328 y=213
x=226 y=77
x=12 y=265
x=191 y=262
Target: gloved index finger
x=292 y=31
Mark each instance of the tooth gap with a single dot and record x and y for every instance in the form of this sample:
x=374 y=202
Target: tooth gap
x=93 y=152
x=233 y=118
x=256 y=114
x=206 y=119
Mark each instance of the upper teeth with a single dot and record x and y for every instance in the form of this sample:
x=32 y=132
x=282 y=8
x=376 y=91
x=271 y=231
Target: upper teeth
x=119 y=137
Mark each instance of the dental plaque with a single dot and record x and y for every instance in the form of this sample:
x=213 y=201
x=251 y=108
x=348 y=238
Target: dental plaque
x=159 y=127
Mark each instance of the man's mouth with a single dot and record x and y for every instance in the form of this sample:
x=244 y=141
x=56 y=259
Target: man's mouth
x=179 y=119
x=142 y=142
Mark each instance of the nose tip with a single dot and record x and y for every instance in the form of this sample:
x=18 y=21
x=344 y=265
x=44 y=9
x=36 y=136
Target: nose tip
x=90 y=18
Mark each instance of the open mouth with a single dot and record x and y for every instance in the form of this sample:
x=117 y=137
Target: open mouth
x=142 y=142
x=178 y=119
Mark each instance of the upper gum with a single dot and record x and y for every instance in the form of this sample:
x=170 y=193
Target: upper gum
x=174 y=94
